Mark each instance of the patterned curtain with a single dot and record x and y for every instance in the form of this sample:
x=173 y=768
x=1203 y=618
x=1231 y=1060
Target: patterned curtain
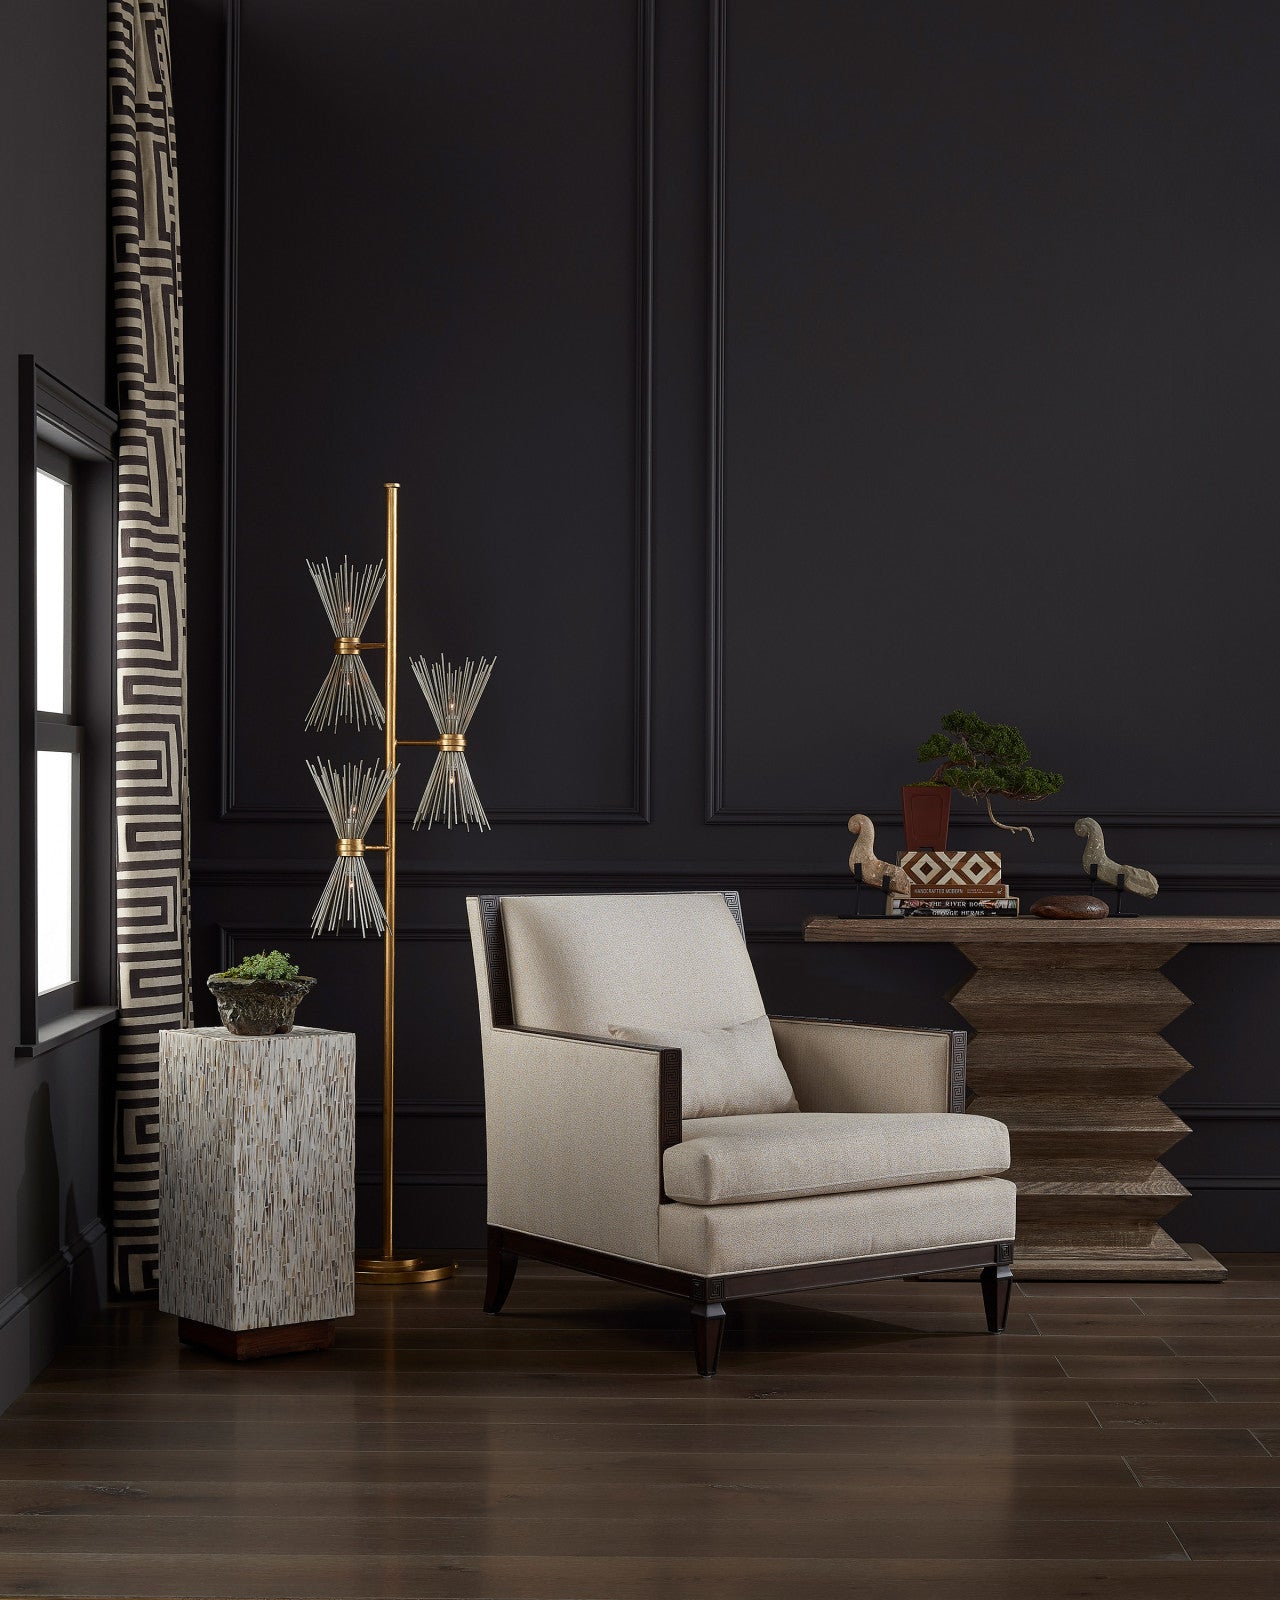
x=152 y=823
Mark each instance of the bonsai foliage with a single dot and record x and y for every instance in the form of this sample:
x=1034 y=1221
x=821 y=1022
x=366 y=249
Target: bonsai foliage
x=274 y=965
x=985 y=758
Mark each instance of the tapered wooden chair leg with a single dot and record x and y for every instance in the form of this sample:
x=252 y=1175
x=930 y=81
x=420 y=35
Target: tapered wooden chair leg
x=502 y=1271
x=708 y=1332
x=997 y=1285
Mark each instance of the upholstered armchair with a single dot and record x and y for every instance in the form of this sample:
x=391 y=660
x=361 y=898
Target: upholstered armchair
x=646 y=1122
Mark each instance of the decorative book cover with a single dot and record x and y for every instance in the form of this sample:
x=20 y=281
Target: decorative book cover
x=988 y=891
x=951 y=869
x=897 y=905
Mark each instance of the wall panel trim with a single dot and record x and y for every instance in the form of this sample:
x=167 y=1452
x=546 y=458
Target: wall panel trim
x=620 y=877
x=425 y=1180
x=421 y=1108
x=637 y=809
x=229 y=933
x=1216 y=1180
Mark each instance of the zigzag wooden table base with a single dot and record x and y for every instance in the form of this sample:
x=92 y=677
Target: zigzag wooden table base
x=1066 y=1051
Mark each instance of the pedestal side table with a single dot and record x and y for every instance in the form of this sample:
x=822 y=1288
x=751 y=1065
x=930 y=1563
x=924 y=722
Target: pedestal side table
x=1067 y=1052
x=257 y=1187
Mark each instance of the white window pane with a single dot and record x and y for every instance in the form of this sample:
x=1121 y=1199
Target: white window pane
x=55 y=864
x=53 y=498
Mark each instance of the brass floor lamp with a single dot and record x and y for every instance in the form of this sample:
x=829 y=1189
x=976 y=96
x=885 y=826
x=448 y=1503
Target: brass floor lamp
x=353 y=796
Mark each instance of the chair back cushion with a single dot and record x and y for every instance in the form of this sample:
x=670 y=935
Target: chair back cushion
x=724 y=1072
x=579 y=963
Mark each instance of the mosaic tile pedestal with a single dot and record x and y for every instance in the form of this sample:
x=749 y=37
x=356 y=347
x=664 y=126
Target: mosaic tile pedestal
x=257 y=1192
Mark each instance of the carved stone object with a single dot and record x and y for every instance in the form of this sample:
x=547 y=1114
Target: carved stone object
x=863 y=856
x=1071 y=907
x=257 y=1190
x=1136 y=879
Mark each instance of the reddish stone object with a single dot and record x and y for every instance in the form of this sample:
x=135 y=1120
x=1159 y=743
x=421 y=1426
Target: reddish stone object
x=1071 y=907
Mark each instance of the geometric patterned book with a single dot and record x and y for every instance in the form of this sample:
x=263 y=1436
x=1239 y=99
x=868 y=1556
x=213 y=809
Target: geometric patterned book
x=951 y=869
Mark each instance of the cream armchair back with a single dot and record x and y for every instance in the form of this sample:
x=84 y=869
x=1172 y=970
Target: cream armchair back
x=844 y=1156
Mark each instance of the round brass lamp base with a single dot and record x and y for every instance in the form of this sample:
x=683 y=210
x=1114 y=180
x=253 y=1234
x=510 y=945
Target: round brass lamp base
x=402 y=1269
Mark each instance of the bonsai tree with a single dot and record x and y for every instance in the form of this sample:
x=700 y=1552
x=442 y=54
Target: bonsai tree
x=273 y=966
x=985 y=758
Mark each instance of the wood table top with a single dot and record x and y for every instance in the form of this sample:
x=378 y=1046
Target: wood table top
x=1137 y=929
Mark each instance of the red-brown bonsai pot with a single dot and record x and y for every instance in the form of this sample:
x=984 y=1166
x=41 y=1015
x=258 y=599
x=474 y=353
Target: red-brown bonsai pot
x=926 y=815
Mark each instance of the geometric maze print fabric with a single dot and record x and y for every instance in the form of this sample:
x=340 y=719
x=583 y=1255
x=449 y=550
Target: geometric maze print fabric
x=152 y=848
x=951 y=869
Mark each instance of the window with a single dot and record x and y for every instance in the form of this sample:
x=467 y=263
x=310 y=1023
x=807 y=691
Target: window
x=58 y=739
x=65 y=690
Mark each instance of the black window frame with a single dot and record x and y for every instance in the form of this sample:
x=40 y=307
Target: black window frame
x=63 y=433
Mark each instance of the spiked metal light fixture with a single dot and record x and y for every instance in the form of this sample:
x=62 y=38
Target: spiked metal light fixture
x=453 y=693
x=353 y=795
x=347 y=693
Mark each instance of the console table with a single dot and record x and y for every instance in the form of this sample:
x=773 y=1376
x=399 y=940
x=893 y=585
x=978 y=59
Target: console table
x=1066 y=1051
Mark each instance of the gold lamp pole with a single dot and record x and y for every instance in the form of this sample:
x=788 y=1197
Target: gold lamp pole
x=352 y=797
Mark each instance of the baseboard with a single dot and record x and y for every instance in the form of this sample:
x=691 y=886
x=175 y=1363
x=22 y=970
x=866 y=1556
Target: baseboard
x=1228 y=1213
x=37 y=1317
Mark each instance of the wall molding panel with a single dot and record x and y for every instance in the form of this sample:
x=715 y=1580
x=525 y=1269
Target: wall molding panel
x=636 y=807
x=720 y=808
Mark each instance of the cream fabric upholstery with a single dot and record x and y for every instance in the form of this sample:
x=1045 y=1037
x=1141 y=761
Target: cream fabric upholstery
x=724 y=1072
x=835 y=1227
x=571 y=1130
x=729 y=1160
x=581 y=962
x=842 y=1066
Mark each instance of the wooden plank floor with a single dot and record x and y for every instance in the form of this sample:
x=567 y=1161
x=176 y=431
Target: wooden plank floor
x=1121 y=1440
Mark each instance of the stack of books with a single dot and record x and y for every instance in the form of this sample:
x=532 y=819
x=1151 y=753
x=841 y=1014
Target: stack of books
x=952 y=883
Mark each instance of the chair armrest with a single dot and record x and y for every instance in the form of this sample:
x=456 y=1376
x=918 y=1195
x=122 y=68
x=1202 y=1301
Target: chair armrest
x=849 y=1066
x=575 y=1129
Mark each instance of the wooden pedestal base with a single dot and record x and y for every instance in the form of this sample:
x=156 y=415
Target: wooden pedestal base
x=1191 y=1264
x=1067 y=1052
x=248 y=1344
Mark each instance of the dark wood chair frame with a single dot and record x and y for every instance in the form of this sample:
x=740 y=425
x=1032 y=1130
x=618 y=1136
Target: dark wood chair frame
x=707 y=1296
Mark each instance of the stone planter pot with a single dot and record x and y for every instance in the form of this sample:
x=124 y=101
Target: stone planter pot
x=258 y=1005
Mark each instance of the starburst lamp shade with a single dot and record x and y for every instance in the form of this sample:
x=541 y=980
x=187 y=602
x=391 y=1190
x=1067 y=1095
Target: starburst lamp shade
x=347 y=693
x=452 y=693
x=352 y=796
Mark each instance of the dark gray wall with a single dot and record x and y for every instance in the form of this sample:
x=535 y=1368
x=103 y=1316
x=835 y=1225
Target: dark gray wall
x=53 y=305
x=757 y=398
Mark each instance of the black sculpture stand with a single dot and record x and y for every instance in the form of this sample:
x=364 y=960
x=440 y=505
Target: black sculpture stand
x=1119 y=888
x=885 y=887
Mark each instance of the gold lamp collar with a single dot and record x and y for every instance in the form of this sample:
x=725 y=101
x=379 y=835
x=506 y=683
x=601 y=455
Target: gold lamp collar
x=453 y=741
x=350 y=847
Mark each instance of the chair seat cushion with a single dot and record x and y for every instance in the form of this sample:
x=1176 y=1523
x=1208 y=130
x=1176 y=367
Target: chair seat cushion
x=738 y=1159
x=724 y=1072
x=835 y=1227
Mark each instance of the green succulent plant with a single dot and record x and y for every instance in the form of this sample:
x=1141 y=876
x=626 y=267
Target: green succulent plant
x=272 y=964
x=984 y=758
